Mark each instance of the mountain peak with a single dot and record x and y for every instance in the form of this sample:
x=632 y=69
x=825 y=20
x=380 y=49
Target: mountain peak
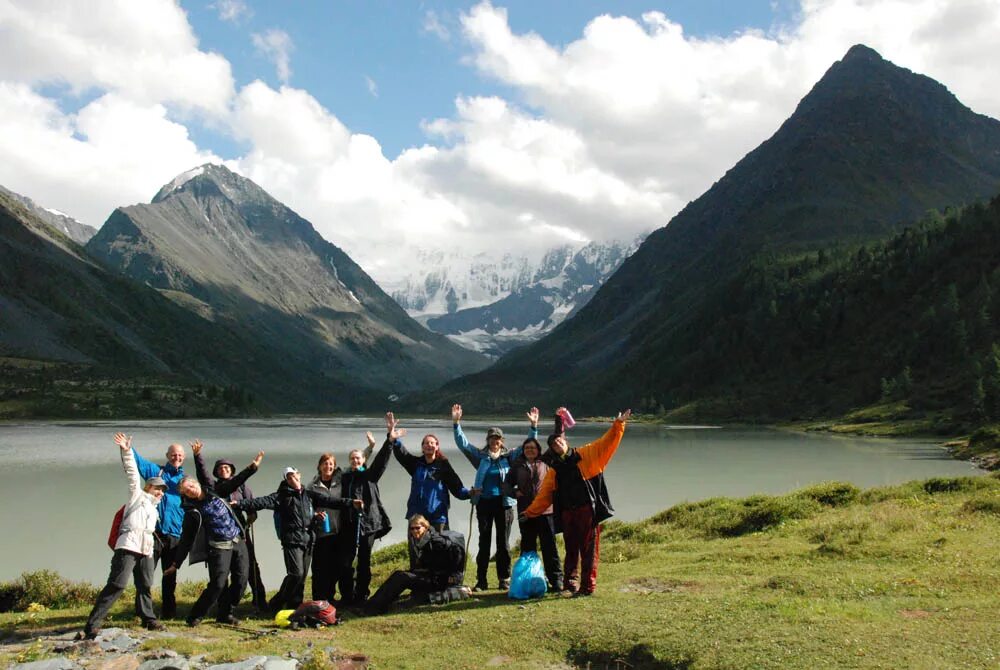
x=219 y=176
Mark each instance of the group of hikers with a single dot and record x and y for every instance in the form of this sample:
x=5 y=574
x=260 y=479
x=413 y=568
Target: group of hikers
x=329 y=525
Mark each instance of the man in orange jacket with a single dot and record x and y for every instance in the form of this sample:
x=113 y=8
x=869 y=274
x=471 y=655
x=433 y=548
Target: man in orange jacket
x=574 y=484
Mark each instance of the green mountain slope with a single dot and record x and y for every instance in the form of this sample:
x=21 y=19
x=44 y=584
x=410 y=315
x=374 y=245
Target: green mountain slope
x=869 y=149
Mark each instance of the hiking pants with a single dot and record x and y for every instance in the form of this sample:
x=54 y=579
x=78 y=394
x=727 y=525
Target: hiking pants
x=354 y=584
x=124 y=563
x=542 y=531
x=492 y=514
x=290 y=594
x=164 y=553
x=228 y=573
x=418 y=581
x=583 y=540
x=326 y=567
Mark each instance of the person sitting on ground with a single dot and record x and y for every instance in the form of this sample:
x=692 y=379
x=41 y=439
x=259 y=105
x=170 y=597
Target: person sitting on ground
x=210 y=512
x=437 y=567
x=326 y=554
x=527 y=472
x=225 y=469
x=171 y=522
x=133 y=548
x=575 y=483
x=493 y=508
x=295 y=506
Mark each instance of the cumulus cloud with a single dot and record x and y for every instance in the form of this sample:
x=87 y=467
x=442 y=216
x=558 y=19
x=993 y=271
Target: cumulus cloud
x=276 y=45
x=144 y=51
x=113 y=152
x=604 y=136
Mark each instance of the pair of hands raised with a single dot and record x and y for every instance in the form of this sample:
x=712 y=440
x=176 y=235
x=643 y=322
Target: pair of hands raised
x=197 y=446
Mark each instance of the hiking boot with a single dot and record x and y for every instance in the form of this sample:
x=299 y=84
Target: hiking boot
x=88 y=633
x=193 y=622
x=153 y=624
x=567 y=593
x=480 y=586
x=583 y=594
x=504 y=584
x=229 y=620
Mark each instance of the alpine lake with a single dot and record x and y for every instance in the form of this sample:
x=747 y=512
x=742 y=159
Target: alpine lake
x=62 y=481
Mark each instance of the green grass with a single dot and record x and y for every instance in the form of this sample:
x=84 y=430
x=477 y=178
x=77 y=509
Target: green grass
x=826 y=577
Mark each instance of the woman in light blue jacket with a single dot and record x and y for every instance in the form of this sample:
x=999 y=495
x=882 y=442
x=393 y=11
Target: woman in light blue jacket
x=494 y=510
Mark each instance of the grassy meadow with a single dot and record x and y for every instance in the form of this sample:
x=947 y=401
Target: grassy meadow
x=826 y=577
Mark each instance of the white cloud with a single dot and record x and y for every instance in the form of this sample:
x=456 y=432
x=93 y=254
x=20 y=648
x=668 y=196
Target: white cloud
x=145 y=51
x=372 y=86
x=433 y=25
x=232 y=11
x=113 y=152
x=276 y=45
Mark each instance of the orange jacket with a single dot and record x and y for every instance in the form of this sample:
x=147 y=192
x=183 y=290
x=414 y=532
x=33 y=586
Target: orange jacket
x=594 y=457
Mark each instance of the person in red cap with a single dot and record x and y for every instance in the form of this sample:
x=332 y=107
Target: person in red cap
x=575 y=485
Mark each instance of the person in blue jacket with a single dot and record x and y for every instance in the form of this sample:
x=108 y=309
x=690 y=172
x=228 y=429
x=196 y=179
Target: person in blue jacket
x=432 y=478
x=494 y=509
x=171 y=521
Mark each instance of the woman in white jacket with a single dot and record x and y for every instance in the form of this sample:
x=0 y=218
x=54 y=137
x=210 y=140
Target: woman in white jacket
x=134 y=547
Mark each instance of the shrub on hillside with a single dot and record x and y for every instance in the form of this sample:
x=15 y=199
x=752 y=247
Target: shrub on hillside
x=953 y=484
x=982 y=505
x=728 y=517
x=44 y=587
x=831 y=494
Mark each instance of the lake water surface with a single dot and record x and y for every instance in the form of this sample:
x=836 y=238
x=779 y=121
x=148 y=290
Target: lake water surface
x=61 y=483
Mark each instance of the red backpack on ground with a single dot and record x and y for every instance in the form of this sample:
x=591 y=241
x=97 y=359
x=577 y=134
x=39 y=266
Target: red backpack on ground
x=314 y=613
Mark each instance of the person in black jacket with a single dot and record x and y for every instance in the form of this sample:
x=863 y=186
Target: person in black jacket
x=365 y=523
x=225 y=469
x=326 y=555
x=296 y=515
x=437 y=563
x=228 y=561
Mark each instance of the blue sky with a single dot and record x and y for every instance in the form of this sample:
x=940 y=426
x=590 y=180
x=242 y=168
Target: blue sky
x=340 y=47
x=403 y=129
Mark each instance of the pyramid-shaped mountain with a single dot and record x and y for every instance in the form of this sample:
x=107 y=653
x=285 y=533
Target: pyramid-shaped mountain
x=219 y=245
x=870 y=148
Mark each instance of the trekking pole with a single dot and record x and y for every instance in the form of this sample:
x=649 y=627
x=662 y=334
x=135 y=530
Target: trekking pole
x=468 y=538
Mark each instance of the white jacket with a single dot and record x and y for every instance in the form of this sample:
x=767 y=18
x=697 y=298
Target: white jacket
x=139 y=520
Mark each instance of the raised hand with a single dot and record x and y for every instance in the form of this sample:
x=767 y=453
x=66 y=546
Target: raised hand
x=456 y=413
x=533 y=416
x=392 y=429
x=123 y=441
x=371 y=439
x=260 y=457
x=196 y=447
x=624 y=416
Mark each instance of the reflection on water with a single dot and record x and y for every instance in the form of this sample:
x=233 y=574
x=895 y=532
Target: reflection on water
x=62 y=482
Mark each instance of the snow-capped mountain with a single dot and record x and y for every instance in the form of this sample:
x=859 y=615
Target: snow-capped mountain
x=64 y=223
x=493 y=306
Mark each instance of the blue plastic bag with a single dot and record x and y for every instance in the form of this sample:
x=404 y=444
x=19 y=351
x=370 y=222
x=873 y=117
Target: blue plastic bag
x=528 y=578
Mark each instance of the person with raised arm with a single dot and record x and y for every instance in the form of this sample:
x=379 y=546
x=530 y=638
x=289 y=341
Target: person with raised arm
x=214 y=533
x=326 y=554
x=575 y=484
x=365 y=523
x=432 y=478
x=133 y=547
x=494 y=510
x=297 y=520
x=527 y=472
x=222 y=470
x=171 y=522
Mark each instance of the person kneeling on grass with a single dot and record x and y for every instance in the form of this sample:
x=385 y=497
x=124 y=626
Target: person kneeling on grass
x=437 y=568
x=133 y=548
x=220 y=528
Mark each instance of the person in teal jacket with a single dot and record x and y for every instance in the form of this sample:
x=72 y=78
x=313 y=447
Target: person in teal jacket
x=171 y=521
x=494 y=509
